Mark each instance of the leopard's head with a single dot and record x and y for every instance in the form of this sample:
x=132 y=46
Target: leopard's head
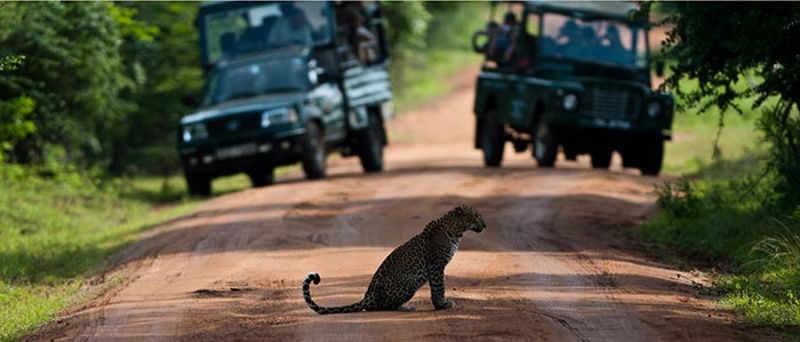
x=470 y=217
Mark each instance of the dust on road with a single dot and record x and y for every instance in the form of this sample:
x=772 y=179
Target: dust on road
x=554 y=263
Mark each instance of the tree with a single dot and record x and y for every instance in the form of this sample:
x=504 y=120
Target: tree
x=165 y=64
x=407 y=26
x=717 y=43
x=72 y=72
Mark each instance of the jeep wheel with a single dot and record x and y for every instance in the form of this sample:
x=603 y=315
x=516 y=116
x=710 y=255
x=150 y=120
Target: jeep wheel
x=601 y=158
x=492 y=139
x=198 y=184
x=370 y=146
x=261 y=177
x=313 y=156
x=545 y=144
x=651 y=158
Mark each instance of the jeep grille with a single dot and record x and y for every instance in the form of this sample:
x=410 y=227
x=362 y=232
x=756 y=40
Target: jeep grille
x=611 y=102
x=231 y=125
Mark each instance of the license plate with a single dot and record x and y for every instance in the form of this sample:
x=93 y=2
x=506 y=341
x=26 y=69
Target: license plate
x=236 y=151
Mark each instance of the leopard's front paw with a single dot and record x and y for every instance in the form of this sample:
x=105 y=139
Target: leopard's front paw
x=444 y=305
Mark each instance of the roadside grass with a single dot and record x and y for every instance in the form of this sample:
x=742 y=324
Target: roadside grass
x=726 y=212
x=56 y=232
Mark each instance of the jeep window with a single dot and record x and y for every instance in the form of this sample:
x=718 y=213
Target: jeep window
x=255 y=79
x=264 y=27
x=600 y=41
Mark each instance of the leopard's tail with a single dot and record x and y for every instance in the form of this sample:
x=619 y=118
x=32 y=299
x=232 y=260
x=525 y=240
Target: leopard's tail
x=313 y=276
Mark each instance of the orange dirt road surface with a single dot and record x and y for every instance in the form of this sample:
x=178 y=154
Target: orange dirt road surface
x=554 y=263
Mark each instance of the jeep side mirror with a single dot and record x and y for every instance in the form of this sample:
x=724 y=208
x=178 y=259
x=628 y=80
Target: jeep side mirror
x=190 y=101
x=660 y=68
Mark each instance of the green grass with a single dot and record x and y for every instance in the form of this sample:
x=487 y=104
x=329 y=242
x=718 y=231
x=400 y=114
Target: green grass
x=695 y=138
x=727 y=213
x=745 y=230
x=57 y=231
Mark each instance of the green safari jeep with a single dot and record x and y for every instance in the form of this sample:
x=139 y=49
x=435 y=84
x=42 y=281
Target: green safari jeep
x=572 y=75
x=286 y=82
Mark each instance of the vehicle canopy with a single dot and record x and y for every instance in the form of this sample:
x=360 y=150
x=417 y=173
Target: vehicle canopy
x=607 y=33
x=232 y=29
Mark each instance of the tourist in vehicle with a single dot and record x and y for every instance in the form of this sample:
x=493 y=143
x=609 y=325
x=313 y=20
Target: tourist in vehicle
x=569 y=39
x=290 y=29
x=491 y=32
x=361 y=39
x=501 y=48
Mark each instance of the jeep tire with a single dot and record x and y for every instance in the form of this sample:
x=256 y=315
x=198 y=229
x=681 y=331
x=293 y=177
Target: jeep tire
x=198 y=184
x=370 y=145
x=651 y=157
x=261 y=177
x=313 y=155
x=492 y=139
x=545 y=144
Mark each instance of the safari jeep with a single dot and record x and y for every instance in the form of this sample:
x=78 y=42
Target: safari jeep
x=572 y=75
x=285 y=83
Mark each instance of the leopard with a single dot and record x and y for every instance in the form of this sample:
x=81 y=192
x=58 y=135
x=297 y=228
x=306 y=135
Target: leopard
x=422 y=259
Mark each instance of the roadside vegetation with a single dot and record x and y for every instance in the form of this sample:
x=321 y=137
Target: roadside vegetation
x=421 y=74
x=737 y=209
x=88 y=158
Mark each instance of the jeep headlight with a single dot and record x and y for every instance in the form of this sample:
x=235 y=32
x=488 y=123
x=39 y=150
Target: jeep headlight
x=569 y=101
x=653 y=109
x=195 y=131
x=278 y=116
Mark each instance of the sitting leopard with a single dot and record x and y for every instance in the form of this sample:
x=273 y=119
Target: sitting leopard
x=419 y=260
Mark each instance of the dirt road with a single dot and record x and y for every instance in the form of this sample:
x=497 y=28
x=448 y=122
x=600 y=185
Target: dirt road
x=554 y=263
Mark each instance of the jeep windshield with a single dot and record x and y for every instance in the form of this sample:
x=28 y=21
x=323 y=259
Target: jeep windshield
x=242 y=81
x=598 y=41
x=263 y=27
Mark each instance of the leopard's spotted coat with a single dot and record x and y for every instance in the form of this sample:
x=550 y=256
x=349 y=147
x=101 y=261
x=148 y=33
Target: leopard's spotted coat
x=421 y=259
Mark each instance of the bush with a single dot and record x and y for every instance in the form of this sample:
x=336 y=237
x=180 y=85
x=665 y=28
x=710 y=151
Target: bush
x=780 y=125
x=745 y=229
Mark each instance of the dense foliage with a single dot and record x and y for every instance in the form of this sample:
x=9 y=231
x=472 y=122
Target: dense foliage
x=74 y=86
x=99 y=81
x=738 y=214
x=721 y=46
